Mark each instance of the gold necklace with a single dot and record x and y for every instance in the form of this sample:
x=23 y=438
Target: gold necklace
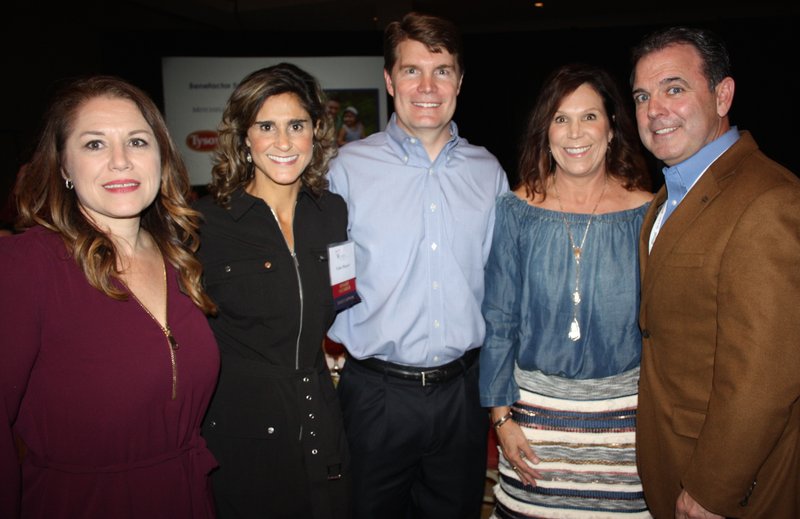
x=574 y=327
x=171 y=342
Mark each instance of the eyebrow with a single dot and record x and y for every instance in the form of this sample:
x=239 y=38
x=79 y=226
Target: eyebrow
x=101 y=133
x=291 y=121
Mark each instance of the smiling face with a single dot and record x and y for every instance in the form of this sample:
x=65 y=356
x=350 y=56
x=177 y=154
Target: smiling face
x=281 y=143
x=424 y=86
x=112 y=157
x=579 y=133
x=676 y=112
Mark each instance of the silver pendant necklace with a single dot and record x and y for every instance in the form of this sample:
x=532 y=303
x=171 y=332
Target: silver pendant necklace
x=577 y=250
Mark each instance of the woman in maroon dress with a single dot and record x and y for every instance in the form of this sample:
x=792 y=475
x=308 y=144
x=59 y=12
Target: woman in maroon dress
x=108 y=361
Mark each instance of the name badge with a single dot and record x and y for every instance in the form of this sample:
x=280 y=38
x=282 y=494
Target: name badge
x=342 y=266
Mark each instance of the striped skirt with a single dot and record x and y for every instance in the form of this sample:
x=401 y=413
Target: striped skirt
x=583 y=432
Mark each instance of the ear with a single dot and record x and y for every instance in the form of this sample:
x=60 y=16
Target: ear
x=724 y=95
x=389 y=86
x=460 y=80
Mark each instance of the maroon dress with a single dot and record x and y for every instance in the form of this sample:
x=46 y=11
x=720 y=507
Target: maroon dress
x=86 y=382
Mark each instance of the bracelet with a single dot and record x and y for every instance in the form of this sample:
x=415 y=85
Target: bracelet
x=503 y=419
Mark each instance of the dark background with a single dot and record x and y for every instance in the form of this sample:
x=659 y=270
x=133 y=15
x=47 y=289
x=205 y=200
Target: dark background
x=509 y=49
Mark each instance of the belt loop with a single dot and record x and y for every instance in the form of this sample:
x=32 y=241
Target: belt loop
x=423 y=379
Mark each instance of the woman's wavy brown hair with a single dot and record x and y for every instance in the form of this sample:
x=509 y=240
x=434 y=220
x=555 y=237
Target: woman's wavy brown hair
x=231 y=169
x=42 y=198
x=624 y=159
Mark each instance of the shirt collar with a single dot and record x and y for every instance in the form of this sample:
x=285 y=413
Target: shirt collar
x=682 y=176
x=405 y=146
x=242 y=201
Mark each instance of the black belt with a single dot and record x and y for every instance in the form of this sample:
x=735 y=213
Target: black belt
x=425 y=376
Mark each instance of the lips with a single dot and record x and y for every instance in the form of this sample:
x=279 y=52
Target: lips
x=282 y=160
x=577 y=151
x=427 y=105
x=121 y=184
x=665 y=131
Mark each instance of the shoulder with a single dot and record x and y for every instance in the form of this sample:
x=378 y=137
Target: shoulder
x=30 y=251
x=204 y=204
x=332 y=203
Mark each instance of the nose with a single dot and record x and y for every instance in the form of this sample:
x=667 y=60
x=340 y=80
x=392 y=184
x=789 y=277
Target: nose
x=426 y=83
x=574 y=129
x=282 y=140
x=119 y=158
x=655 y=108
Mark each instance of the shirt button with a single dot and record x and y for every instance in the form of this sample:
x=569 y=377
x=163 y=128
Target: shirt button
x=405 y=158
x=412 y=140
x=433 y=207
x=305 y=379
x=674 y=203
x=314 y=452
x=436 y=285
x=311 y=415
x=267 y=264
x=430 y=171
x=312 y=433
x=270 y=430
x=227 y=268
x=435 y=358
x=434 y=246
x=308 y=397
x=436 y=323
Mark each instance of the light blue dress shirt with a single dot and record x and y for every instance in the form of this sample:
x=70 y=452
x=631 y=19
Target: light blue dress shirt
x=530 y=277
x=422 y=233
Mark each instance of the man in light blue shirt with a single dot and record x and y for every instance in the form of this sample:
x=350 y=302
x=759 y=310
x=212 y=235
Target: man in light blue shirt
x=421 y=213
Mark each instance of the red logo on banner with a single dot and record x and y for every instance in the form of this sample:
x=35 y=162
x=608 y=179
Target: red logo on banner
x=202 y=140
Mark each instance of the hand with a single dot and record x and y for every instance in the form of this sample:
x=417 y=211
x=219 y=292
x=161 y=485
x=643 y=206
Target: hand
x=518 y=452
x=687 y=508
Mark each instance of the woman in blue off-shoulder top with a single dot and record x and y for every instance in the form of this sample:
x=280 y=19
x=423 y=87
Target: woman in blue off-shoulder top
x=560 y=365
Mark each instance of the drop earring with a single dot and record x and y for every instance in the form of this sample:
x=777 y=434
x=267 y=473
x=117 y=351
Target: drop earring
x=248 y=158
x=68 y=183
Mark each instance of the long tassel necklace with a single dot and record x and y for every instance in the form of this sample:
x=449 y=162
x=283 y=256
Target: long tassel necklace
x=577 y=250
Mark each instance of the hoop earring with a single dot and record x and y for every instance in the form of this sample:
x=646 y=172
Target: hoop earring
x=68 y=182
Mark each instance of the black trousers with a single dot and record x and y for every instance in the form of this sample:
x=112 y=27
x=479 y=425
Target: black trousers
x=417 y=452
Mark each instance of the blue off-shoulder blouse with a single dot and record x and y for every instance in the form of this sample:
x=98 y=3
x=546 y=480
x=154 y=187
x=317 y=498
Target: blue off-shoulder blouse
x=530 y=278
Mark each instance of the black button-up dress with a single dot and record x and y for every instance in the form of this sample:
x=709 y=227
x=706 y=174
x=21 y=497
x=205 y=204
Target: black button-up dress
x=274 y=423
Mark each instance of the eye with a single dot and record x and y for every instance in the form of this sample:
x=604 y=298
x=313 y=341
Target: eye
x=443 y=72
x=265 y=127
x=411 y=70
x=591 y=117
x=298 y=127
x=674 y=90
x=641 y=98
x=94 y=145
x=139 y=143
x=559 y=119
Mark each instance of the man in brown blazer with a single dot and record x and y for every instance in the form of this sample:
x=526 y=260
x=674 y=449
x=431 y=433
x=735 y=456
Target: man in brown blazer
x=718 y=429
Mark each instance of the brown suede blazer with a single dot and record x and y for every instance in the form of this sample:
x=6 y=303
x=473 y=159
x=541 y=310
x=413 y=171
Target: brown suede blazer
x=718 y=404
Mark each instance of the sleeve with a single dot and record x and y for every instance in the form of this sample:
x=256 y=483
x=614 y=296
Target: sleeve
x=501 y=313
x=20 y=321
x=337 y=177
x=755 y=384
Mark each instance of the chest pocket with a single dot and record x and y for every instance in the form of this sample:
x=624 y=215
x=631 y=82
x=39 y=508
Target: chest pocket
x=244 y=287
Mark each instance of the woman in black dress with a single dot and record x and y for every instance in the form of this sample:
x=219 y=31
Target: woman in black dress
x=274 y=423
